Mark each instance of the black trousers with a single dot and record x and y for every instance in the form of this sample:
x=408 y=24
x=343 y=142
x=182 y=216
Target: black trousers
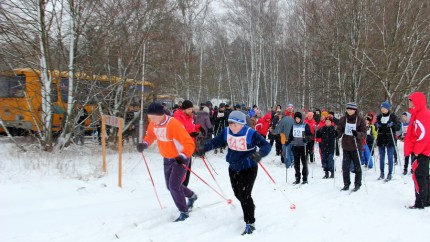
x=299 y=154
x=310 y=150
x=420 y=176
x=349 y=156
x=242 y=183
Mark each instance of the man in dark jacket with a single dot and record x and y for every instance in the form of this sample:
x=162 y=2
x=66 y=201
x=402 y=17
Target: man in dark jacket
x=387 y=124
x=352 y=129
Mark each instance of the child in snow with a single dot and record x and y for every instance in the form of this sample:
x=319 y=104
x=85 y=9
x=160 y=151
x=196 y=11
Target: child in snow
x=242 y=155
x=176 y=146
x=387 y=124
x=366 y=158
x=352 y=129
x=328 y=136
x=299 y=135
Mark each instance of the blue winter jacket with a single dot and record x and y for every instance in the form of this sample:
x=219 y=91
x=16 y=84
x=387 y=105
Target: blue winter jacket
x=240 y=160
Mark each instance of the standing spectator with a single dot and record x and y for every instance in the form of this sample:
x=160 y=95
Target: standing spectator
x=310 y=145
x=220 y=122
x=176 y=146
x=352 y=129
x=299 y=135
x=328 y=137
x=242 y=156
x=284 y=128
x=406 y=117
x=417 y=144
x=203 y=119
x=386 y=124
x=290 y=110
x=263 y=124
x=186 y=117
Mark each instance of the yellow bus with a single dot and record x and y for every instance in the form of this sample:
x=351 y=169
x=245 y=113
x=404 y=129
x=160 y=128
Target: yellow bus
x=21 y=97
x=21 y=100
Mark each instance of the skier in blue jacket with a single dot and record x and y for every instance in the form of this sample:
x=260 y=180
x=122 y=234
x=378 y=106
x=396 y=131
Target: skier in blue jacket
x=243 y=156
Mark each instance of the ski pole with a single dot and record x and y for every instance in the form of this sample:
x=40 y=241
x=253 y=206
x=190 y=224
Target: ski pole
x=292 y=205
x=229 y=201
x=204 y=161
x=156 y=194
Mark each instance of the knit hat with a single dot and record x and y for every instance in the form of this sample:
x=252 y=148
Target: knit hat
x=221 y=105
x=155 y=109
x=237 y=117
x=386 y=105
x=329 y=118
x=237 y=106
x=186 y=104
x=290 y=105
x=297 y=115
x=324 y=114
x=351 y=105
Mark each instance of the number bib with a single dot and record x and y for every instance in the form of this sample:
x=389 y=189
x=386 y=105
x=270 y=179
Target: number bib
x=161 y=133
x=237 y=143
x=298 y=132
x=404 y=129
x=384 y=120
x=349 y=128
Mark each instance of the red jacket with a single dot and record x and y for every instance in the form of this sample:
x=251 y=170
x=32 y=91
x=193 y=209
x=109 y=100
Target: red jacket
x=262 y=126
x=417 y=138
x=187 y=121
x=312 y=124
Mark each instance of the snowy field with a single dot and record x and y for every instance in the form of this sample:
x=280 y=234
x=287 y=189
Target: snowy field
x=67 y=198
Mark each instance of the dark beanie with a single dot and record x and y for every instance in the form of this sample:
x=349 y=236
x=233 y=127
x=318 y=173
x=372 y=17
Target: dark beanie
x=386 y=105
x=298 y=115
x=155 y=109
x=186 y=104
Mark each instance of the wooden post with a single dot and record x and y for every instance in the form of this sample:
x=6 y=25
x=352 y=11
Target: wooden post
x=104 y=142
x=121 y=124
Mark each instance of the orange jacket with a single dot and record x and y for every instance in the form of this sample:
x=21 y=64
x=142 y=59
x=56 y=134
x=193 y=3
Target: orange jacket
x=172 y=138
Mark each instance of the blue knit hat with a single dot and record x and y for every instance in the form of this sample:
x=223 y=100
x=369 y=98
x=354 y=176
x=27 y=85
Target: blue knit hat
x=237 y=117
x=386 y=105
x=155 y=109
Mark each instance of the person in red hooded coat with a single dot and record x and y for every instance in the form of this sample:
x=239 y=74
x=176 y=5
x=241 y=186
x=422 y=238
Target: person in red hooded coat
x=263 y=124
x=417 y=144
x=185 y=115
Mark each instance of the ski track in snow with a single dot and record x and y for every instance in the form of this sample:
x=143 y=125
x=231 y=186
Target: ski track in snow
x=43 y=201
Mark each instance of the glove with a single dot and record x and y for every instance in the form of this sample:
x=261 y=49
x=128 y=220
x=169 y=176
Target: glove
x=203 y=131
x=390 y=124
x=141 y=147
x=200 y=150
x=256 y=157
x=377 y=125
x=194 y=134
x=180 y=159
x=354 y=132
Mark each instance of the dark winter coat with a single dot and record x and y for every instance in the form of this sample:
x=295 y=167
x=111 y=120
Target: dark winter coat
x=385 y=133
x=220 y=118
x=328 y=139
x=348 y=142
x=306 y=136
x=202 y=118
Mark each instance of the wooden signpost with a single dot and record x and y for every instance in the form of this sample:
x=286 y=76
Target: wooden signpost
x=119 y=123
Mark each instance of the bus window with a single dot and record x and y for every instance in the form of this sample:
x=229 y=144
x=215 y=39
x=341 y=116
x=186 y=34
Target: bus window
x=12 y=86
x=54 y=93
x=64 y=89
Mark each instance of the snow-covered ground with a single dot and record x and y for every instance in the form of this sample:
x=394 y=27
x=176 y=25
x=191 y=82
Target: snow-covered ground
x=66 y=197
